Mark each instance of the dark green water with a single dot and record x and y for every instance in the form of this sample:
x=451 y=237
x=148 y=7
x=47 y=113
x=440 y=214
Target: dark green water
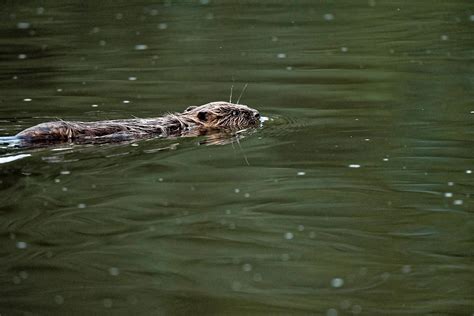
x=354 y=198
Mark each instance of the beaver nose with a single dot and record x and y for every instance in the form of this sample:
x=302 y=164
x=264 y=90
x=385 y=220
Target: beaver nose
x=256 y=115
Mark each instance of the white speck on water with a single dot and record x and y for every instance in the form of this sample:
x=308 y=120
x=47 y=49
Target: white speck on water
x=331 y=312
x=289 y=68
x=281 y=55
x=237 y=190
x=102 y=43
x=300 y=228
x=22 y=56
x=228 y=212
x=64 y=189
x=385 y=159
x=300 y=173
x=163 y=26
x=40 y=10
x=247 y=267
x=59 y=299
x=160 y=179
x=107 y=302
x=458 y=202
x=134 y=145
x=448 y=194
x=132 y=78
x=15 y=77
x=114 y=271
x=444 y=37
x=57 y=180
x=119 y=16
x=344 y=49
x=406 y=268
x=337 y=282
x=16 y=280
x=288 y=235
x=126 y=101
x=472 y=20
x=21 y=245
x=81 y=205
x=468 y=171
x=257 y=277
x=13 y=158
x=59 y=90
x=328 y=16
x=367 y=139
x=65 y=172
x=354 y=166
x=356 y=309
x=95 y=105
x=450 y=183
x=236 y=286
x=274 y=39
x=23 y=25
x=141 y=47
x=247 y=195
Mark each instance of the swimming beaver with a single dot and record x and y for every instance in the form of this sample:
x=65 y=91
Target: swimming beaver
x=195 y=120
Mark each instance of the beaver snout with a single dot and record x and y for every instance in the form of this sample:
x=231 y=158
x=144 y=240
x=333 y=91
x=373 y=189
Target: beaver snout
x=256 y=115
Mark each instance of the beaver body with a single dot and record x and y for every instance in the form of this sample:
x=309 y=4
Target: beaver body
x=195 y=120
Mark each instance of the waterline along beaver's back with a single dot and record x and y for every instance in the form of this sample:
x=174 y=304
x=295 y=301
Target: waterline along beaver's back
x=194 y=120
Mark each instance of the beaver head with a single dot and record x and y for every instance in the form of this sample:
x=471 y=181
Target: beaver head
x=222 y=115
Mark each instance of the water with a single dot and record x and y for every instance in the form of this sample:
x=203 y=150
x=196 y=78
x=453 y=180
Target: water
x=355 y=197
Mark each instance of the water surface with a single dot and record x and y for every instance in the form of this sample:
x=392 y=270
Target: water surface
x=354 y=198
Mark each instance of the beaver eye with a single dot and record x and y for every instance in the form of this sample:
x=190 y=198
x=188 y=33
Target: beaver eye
x=235 y=113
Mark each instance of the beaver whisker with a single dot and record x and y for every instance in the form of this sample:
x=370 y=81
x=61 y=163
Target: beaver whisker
x=241 y=93
x=230 y=98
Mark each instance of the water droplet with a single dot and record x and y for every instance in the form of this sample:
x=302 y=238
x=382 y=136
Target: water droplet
x=448 y=194
x=247 y=195
x=289 y=235
x=237 y=191
x=329 y=16
x=247 y=267
x=281 y=55
x=337 y=282
x=21 y=245
x=141 y=47
x=59 y=299
x=114 y=271
x=354 y=166
x=23 y=25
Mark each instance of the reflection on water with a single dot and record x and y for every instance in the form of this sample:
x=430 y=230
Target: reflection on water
x=354 y=197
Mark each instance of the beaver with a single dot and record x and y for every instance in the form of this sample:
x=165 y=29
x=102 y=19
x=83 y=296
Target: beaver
x=195 y=120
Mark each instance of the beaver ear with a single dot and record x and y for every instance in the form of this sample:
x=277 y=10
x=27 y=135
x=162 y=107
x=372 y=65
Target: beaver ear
x=189 y=108
x=202 y=116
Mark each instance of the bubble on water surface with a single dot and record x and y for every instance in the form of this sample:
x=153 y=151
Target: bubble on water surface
x=237 y=190
x=22 y=56
x=385 y=159
x=21 y=245
x=126 y=101
x=300 y=228
x=300 y=173
x=471 y=18
x=247 y=267
x=65 y=172
x=114 y=271
x=288 y=235
x=141 y=47
x=163 y=26
x=64 y=189
x=372 y=3
x=444 y=37
x=119 y=16
x=281 y=55
x=345 y=304
x=247 y=195
x=132 y=78
x=468 y=171
x=448 y=194
x=337 y=282
x=40 y=10
x=236 y=285
x=81 y=205
x=102 y=43
x=95 y=105
x=59 y=299
x=354 y=166
x=344 y=49
x=23 y=25
x=458 y=202
x=406 y=268
x=107 y=302
x=331 y=312
x=450 y=183
x=328 y=16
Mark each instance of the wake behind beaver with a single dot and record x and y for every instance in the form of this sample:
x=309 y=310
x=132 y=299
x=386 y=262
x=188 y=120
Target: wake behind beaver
x=194 y=121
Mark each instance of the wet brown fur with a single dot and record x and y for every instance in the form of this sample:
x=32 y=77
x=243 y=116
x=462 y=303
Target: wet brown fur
x=195 y=120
